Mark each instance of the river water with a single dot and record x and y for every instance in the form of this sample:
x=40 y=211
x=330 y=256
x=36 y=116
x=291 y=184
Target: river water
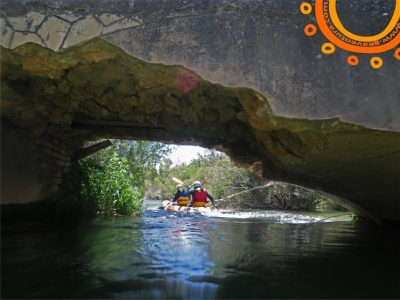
x=222 y=255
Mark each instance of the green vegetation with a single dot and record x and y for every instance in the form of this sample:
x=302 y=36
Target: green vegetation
x=115 y=180
x=223 y=179
x=112 y=180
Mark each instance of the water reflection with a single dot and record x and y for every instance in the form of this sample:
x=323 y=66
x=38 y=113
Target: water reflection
x=151 y=257
x=157 y=288
x=225 y=255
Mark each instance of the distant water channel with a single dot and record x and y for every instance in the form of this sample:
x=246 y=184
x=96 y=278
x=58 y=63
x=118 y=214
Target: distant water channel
x=223 y=255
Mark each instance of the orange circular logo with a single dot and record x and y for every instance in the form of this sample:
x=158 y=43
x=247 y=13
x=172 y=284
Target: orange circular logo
x=329 y=24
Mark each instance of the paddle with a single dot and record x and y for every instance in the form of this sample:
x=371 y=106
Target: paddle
x=181 y=182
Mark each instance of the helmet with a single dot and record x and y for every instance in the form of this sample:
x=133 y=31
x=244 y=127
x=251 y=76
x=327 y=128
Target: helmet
x=179 y=187
x=197 y=184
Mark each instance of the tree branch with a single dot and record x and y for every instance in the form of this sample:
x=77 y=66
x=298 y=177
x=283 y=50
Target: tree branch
x=246 y=191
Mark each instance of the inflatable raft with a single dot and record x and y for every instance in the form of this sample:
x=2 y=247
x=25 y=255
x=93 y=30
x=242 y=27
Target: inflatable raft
x=167 y=204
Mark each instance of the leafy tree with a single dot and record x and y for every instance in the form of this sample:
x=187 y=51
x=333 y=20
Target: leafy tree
x=119 y=177
x=114 y=177
x=108 y=188
x=222 y=179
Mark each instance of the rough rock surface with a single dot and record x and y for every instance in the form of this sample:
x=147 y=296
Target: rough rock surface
x=238 y=76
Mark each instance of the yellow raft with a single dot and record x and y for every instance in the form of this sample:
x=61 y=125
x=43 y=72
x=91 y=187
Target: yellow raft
x=167 y=204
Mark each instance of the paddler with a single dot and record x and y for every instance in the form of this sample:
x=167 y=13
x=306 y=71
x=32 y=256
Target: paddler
x=199 y=196
x=181 y=197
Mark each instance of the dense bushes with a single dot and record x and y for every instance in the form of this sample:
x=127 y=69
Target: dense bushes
x=108 y=188
x=117 y=179
x=112 y=180
x=222 y=179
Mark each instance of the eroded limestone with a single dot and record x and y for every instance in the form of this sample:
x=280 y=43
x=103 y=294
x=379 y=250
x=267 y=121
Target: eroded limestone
x=99 y=91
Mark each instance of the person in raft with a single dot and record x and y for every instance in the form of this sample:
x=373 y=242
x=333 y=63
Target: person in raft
x=181 y=197
x=199 y=196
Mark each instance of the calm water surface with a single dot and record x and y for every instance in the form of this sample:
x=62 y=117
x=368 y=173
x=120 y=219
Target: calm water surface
x=223 y=255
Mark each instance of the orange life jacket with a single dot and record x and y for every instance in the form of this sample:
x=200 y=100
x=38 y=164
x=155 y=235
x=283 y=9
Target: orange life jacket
x=183 y=198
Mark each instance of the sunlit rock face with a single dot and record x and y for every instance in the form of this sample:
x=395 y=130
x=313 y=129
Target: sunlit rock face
x=240 y=77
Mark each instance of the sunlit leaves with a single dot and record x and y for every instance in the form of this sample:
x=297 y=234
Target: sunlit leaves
x=222 y=179
x=115 y=176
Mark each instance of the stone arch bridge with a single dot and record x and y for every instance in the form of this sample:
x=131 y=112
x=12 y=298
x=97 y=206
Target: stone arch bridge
x=273 y=84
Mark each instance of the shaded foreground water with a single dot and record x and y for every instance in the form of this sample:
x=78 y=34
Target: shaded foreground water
x=223 y=255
